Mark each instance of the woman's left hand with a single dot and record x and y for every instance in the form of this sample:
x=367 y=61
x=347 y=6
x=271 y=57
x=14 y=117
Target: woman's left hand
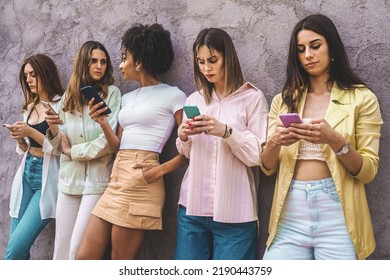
x=317 y=131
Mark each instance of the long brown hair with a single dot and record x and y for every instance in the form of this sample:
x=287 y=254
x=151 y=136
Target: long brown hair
x=219 y=40
x=339 y=71
x=47 y=72
x=80 y=77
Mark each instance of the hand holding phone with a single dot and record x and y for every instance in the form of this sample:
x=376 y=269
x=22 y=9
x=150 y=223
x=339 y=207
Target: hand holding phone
x=48 y=107
x=289 y=118
x=191 y=111
x=89 y=93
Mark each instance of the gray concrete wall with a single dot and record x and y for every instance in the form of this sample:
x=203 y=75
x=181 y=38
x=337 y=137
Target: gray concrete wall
x=260 y=30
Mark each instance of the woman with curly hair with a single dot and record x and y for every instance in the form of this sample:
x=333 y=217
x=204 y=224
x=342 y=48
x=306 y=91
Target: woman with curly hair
x=86 y=159
x=134 y=199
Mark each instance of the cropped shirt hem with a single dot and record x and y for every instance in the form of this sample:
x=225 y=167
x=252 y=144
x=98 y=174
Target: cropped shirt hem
x=81 y=190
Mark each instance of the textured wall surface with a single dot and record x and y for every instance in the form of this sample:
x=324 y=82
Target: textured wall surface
x=260 y=30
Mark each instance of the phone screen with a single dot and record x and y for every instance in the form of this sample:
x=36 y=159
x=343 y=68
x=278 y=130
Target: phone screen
x=89 y=93
x=191 y=111
x=288 y=119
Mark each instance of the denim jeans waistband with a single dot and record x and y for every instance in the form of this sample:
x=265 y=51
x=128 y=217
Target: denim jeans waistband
x=312 y=185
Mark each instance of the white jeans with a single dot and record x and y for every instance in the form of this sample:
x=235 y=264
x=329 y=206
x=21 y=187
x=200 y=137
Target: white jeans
x=73 y=212
x=312 y=225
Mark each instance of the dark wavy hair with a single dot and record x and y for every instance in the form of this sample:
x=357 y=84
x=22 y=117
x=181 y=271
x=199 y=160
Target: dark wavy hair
x=80 y=77
x=151 y=46
x=219 y=40
x=340 y=71
x=47 y=72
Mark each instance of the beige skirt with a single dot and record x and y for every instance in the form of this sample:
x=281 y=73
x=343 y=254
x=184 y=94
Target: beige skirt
x=129 y=201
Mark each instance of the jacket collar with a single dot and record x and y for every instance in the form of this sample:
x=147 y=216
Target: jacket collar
x=243 y=88
x=338 y=108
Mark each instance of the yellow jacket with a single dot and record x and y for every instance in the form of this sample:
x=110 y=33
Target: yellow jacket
x=356 y=115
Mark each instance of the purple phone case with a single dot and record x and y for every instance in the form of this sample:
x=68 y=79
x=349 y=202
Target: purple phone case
x=290 y=118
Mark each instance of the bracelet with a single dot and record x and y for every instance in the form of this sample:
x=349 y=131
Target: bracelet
x=226 y=130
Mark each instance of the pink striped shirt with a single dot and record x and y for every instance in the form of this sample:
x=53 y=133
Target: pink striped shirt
x=222 y=177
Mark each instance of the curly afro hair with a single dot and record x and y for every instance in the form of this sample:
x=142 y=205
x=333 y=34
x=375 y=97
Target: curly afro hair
x=151 y=45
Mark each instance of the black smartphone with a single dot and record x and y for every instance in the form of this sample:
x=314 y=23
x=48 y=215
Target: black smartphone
x=89 y=93
x=191 y=111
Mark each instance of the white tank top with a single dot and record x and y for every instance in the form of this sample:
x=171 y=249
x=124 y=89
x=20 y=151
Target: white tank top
x=308 y=150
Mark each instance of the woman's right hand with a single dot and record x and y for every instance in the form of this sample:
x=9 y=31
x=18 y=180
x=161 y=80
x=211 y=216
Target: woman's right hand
x=183 y=130
x=282 y=136
x=96 y=114
x=191 y=127
x=53 y=120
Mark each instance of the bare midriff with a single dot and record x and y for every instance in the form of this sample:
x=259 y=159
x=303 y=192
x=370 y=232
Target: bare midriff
x=306 y=170
x=36 y=152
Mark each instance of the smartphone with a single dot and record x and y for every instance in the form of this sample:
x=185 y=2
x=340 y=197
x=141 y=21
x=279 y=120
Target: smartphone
x=289 y=118
x=48 y=107
x=89 y=93
x=191 y=111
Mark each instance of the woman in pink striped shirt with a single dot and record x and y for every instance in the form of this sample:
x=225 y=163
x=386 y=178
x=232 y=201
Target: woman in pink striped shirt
x=217 y=216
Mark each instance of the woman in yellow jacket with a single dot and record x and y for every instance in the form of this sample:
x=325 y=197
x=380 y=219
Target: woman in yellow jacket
x=319 y=208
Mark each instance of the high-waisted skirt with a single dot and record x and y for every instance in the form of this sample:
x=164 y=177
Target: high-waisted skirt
x=129 y=201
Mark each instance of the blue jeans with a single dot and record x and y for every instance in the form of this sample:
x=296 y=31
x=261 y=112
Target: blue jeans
x=26 y=228
x=201 y=238
x=312 y=225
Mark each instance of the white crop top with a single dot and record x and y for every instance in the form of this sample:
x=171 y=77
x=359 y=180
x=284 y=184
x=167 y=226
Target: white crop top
x=308 y=150
x=147 y=116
